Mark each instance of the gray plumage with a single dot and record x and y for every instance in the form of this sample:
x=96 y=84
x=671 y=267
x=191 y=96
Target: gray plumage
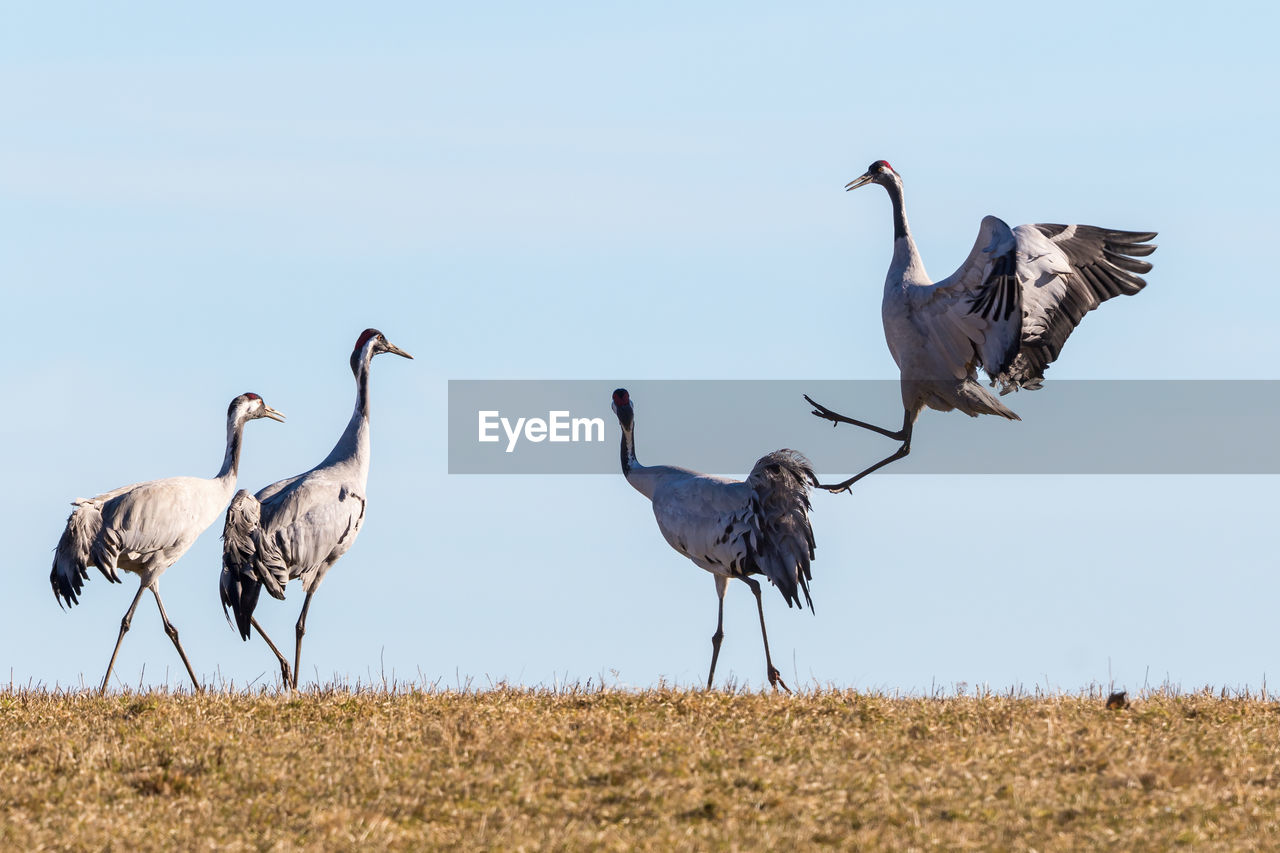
x=730 y=528
x=1008 y=309
x=299 y=527
x=145 y=528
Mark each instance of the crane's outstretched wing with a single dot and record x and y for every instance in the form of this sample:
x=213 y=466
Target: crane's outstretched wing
x=1066 y=271
x=1020 y=292
x=974 y=315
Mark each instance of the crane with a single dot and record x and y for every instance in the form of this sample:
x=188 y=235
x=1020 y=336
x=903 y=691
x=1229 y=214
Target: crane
x=145 y=528
x=730 y=528
x=1009 y=308
x=300 y=526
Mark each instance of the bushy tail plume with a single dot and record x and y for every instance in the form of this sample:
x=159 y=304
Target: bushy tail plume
x=78 y=549
x=782 y=481
x=239 y=585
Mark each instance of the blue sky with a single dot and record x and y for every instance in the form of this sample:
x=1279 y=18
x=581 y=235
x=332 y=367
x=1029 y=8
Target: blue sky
x=197 y=203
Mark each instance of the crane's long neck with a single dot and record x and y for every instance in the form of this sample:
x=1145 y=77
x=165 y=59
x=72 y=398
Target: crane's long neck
x=642 y=478
x=629 y=462
x=907 y=263
x=353 y=445
x=231 y=459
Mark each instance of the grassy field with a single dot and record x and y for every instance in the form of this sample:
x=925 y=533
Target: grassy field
x=658 y=769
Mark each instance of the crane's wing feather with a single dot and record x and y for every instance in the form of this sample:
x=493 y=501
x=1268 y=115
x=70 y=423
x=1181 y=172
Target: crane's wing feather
x=268 y=492
x=305 y=526
x=709 y=520
x=162 y=515
x=1066 y=272
x=975 y=314
x=147 y=524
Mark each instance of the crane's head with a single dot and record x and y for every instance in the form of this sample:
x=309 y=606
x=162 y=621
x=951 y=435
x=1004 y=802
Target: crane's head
x=249 y=406
x=378 y=342
x=879 y=172
x=622 y=408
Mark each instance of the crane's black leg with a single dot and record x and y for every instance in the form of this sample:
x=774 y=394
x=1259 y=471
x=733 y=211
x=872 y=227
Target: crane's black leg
x=775 y=677
x=823 y=412
x=173 y=635
x=124 y=629
x=302 y=629
x=284 y=664
x=907 y=426
x=722 y=584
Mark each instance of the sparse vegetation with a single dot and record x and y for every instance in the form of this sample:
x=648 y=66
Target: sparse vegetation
x=657 y=769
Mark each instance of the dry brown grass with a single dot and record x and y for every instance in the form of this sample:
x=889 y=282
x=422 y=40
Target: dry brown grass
x=658 y=769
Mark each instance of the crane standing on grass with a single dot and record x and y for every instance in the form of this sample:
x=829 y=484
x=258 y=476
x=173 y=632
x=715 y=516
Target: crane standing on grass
x=301 y=526
x=731 y=528
x=145 y=528
x=1009 y=308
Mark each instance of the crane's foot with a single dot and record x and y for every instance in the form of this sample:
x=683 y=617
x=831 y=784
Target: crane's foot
x=822 y=411
x=286 y=675
x=775 y=680
x=837 y=488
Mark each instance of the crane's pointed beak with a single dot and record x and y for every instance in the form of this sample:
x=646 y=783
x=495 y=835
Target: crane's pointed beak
x=858 y=182
x=268 y=412
x=395 y=349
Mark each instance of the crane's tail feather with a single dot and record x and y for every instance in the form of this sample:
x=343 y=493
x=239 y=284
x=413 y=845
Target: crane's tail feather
x=782 y=481
x=240 y=594
x=80 y=547
x=974 y=400
x=239 y=585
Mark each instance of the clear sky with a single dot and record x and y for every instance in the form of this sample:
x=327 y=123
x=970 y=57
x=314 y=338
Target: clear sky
x=200 y=202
